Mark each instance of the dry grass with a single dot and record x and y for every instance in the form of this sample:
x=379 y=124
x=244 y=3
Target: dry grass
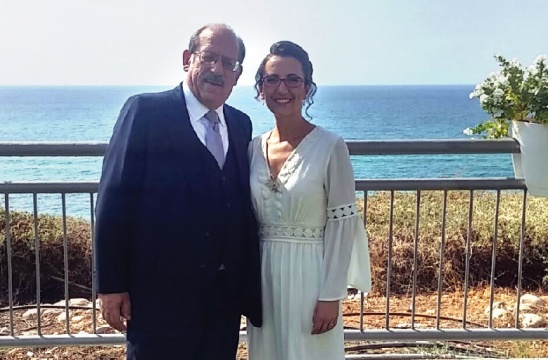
x=535 y=265
x=52 y=264
x=456 y=229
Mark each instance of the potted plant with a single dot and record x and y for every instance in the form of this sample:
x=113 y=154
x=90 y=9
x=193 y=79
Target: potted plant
x=516 y=98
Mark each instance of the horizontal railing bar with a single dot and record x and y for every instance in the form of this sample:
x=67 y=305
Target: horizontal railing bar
x=46 y=187
x=440 y=184
x=446 y=334
x=356 y=147
x=432 y=146
x=397 y=356
x=62 y=340
x=349 y=335
x=18 y=148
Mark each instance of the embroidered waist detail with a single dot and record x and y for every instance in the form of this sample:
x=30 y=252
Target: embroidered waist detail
x=290 y=232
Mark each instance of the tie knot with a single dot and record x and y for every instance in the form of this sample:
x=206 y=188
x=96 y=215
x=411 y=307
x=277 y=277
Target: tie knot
x=212 y=117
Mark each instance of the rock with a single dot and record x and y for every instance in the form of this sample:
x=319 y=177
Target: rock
x=496 y=305
x=530 y=299
x=32 y=313
x=75 y=302
x=60 y=303
x=80 y=302
x=532 y=321
x=51 y=311
x=62 y=317
x=29 y=333
x=77 y=318
x=532 y=304
x=105 y=329
x=499 y=313
x=4 y=331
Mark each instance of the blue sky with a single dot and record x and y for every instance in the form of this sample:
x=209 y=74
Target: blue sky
x=137 y=42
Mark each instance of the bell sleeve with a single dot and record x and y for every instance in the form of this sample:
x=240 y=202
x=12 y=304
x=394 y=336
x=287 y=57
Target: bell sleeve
x=346 y=251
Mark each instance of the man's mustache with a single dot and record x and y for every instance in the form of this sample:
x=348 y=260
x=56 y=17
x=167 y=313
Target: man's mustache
x=214 y=78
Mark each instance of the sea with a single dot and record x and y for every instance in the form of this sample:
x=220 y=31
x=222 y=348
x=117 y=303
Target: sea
x=88 y=114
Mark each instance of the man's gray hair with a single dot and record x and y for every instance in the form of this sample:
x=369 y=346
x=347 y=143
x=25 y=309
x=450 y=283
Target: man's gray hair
x=195 y=40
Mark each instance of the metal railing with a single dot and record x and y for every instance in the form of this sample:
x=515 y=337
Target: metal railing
x=387 y=333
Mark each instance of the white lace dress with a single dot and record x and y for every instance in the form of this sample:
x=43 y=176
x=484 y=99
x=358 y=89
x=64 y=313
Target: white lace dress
x=313 y=243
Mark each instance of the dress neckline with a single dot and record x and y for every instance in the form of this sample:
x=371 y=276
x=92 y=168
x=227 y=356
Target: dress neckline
x=289 y=158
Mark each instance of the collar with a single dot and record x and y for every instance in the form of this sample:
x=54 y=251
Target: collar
x=197 y=110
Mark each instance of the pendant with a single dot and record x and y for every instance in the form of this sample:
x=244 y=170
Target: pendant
x=273 y=184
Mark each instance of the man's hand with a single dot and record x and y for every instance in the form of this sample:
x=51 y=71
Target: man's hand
x=325 y=316
x=114 y=307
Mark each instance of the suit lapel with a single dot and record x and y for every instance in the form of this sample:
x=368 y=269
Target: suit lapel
x=185 y=142
x=238 y=142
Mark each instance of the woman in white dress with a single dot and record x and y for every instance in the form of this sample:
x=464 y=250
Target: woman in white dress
x=313 y=242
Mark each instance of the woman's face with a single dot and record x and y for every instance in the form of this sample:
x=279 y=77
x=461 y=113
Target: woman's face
x=283 y=87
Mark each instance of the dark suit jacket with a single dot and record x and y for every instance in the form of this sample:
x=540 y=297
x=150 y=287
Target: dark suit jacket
x=152 y=213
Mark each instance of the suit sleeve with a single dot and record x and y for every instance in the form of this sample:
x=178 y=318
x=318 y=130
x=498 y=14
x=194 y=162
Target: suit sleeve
x=119 y=190
x=253 y=278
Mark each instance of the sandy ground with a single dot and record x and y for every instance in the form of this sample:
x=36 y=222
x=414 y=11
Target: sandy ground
x=375 y=306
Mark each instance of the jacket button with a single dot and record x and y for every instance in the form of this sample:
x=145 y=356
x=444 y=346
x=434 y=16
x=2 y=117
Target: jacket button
x=207 y=233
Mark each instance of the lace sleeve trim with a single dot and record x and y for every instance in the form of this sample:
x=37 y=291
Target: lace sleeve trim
x=342 y=212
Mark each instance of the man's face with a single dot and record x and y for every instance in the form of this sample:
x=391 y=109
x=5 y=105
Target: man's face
x=210 y=74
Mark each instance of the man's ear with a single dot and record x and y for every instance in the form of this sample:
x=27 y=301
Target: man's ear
x=238 y=73
x=186 y=59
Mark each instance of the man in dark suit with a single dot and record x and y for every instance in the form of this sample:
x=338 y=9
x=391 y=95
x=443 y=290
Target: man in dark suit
x=176 y=246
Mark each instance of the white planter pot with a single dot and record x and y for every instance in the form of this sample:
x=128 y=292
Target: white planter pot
x=532 y=163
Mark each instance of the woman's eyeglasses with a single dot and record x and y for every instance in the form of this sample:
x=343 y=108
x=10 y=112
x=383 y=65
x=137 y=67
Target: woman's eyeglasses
x=292 y=81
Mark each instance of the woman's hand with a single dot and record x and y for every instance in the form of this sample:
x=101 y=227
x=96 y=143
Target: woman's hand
x=325 y=316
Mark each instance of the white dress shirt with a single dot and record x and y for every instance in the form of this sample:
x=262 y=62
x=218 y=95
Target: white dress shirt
x=197 y=110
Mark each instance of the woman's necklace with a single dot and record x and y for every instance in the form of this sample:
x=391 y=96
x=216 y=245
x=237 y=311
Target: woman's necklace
x=274 y=183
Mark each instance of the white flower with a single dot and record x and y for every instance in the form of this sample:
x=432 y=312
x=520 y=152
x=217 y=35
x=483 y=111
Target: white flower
x=497 y=113
x=501 y=79
x=515 y=63
x=483 y=98
x=497 y=94
x=531 y=71
x=472 y=95
x=467 y=131
x=540 y=59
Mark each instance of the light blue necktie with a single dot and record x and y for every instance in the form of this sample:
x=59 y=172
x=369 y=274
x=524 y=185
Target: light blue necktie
x=213 y=139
